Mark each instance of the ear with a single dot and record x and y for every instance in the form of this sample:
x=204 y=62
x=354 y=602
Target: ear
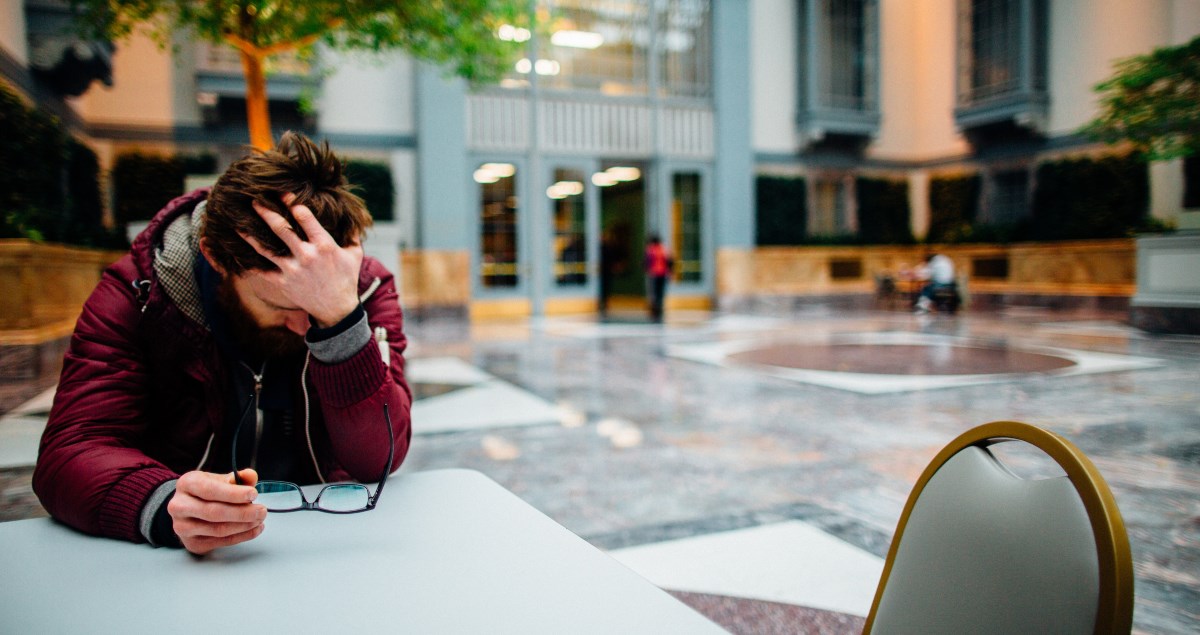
x=207 y=250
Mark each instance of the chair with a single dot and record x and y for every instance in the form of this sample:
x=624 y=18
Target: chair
x=981 y=550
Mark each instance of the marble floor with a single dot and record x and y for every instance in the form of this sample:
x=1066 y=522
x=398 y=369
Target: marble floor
x=756 y=465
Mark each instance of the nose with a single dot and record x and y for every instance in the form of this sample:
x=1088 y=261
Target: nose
x=297 y=322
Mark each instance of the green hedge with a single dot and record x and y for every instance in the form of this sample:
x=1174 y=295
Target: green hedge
x=33 y=159
x=781 y=210
x=1105 y=197
x=49 y=182
x=143 y=184
x=953 y=205
x=883 y=212
x=373 y=183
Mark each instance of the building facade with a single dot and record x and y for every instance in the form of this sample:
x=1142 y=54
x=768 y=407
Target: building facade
x=630 y=119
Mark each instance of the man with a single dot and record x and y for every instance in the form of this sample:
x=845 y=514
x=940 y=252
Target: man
x=254 y=298
x=939 y=271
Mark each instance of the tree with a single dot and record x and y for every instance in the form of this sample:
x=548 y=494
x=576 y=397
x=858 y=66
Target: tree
x=1153 y=102
x=459 y=33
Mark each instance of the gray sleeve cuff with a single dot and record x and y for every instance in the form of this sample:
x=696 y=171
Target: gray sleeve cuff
x=146 y=518
x=344 y=345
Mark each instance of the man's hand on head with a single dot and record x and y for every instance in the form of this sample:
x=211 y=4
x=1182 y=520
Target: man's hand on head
x=210 y=511
x=318 y=276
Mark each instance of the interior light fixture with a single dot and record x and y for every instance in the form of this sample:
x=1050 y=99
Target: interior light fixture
x=510 y=33
x=577 y=39
x=501 y=170
x=547 y=67
x=603 y=179
x=624 y=173
x=484 y=176
x=524 y=66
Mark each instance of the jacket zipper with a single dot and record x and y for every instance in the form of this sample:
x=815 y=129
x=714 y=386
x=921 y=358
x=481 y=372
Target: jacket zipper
x=258 y=413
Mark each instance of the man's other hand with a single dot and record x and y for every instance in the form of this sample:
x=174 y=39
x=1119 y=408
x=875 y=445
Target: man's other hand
x=319 y=276
x=210 y=511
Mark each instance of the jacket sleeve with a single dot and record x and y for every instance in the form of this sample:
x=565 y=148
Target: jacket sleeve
x=90 y=472
x=353 y=391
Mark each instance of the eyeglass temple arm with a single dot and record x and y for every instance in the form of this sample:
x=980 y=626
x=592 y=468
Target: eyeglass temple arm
x=387 y=469
x=237 y=431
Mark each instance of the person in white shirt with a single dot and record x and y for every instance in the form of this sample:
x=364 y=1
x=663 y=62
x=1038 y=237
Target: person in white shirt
x=939 y=271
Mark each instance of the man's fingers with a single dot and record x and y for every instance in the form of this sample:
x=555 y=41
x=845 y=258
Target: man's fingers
x=281 y=226
x=262 y=251
x=309 y=223
x=215 y=487
x=248 y=477
x=192 y=528
x=201 y=545
x=183 y=506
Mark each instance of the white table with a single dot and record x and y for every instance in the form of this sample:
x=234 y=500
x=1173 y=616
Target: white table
x=446 y=551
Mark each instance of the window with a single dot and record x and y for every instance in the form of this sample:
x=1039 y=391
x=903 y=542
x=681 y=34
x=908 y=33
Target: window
x=1002 y=49
x=606 y=46
x=1191 y=182
x=838 y=66
x=498 y=225
x=686 y=44
x=844 y=78
x=829 y=208
x=570 y=228
x=685 y=225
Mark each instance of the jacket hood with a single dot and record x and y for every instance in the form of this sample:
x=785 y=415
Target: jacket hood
x=166 y=250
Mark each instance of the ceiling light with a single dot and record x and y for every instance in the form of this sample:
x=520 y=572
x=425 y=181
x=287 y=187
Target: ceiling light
x=547 y=67
x=577 y=39
x=524 y=66
x=623 y=173
x=603 y=179
x=502 y=170
x=483 y=176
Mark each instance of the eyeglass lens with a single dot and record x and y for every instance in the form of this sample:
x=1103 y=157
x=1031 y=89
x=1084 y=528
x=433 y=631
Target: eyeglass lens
x=343 y=498
x=278 y=496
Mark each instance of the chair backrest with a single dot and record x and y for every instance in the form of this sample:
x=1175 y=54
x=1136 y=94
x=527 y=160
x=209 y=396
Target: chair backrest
x=981 y=550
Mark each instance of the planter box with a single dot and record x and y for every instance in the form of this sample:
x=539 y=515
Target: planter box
x=1168 y=284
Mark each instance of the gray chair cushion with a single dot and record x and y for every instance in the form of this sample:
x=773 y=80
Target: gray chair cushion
x=985 y=551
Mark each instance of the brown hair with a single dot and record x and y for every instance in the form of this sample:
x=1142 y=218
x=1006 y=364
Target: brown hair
x=297 y=165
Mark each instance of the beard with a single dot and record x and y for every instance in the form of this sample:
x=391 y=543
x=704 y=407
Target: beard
x=258 y=341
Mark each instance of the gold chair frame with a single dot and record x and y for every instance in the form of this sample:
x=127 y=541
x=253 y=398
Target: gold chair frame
x=1114 y=608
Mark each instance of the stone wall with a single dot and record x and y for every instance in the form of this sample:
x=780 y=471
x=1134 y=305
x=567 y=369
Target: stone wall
x=1097 y=273
x=45 y=285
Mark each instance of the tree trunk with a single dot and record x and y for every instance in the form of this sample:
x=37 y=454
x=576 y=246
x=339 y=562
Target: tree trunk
x=258 y=118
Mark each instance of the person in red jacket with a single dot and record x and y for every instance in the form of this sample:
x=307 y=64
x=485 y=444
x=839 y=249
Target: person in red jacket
x=658 y=264
x=252 y=298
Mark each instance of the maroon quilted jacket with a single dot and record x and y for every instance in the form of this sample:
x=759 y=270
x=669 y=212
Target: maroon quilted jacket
x=140 y=400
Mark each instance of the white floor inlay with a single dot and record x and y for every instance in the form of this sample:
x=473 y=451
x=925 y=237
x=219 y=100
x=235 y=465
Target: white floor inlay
x=21 y=431
x=1086 y=362
x=484 y=401
x=790 y=562
x=692 y=323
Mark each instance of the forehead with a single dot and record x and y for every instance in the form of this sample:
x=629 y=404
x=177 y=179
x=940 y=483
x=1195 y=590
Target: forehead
x=259 y=286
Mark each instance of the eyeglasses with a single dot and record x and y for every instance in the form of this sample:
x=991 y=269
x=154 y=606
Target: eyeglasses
x=341 y=498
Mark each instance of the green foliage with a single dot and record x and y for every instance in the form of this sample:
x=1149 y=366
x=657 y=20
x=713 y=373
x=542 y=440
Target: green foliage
x=780 y=204
x=373 y=183
x=458 y=33
x=953 y=204
x=883 y=212
x=143 y=183
x=1153 y=101
x=203 y=163
x=33 y=157
x=85 y=212
x=1090 y=198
